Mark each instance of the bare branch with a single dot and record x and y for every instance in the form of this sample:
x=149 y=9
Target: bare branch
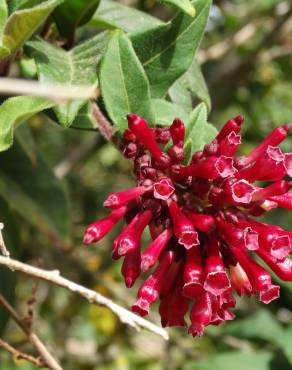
x=104 y=126
x=57 y=93
x=49 y=360
x=218 y=50
x=18 y=355
x=54 y=277
x=3 y=248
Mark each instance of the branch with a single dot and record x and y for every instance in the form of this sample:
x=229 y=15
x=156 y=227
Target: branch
x=54 y=277
x=104 y=126
x=235 y=71
x=57 y=93
x=3 y=248
x=49 y=360
x=18 y=355
x=218 y=50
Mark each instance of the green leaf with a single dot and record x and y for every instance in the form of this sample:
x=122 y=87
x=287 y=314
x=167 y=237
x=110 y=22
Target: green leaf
x=166 y=112
x=198 y=131
x=123 y=82
x=16 y=110
x=41 y=202
x=238 y=360
x=167 y=51
x=3 y=17
x=7 y=277
x=72 y=14
x=286 y=344
x=22 y=4
x=183 y=5
x=75 y=67
x=111 y=14
x=210 y=132
x=194 y=82
x=262 y=325
x=23 y=23
x=25 y=139
x=85 y=119
x=180 y=95
x=28 y=68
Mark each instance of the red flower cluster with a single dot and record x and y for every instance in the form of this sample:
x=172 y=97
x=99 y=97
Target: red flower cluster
x=200 y=217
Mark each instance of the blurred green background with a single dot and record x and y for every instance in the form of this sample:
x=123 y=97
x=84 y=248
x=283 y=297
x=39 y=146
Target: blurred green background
x=246 y=60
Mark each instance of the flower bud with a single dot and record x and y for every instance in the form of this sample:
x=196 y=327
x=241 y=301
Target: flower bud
x=177 y=131
x=152 y=252
x=121 y=198
x=131 y=267
x=97 y=230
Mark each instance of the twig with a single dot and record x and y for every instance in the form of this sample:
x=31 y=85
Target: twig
x=218 y=50
x=276 y=52
x=49 y=360
x=237 y=343
x=57 y=93
x=18 y=355
x=54 y=277
x=104 y=126
x=236 y=71
x=3 y=248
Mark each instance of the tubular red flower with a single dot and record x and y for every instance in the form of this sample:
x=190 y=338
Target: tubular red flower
x=269 y=167
x=278 y=188
x=238 y=192
x=149 y=291
x=281 y=247
x=143 y=132
x=211 y=168
x=177 y=131
x=121 y=198
x=152 y=252
x=288 y=164
x=229 y=144
x=246 y=238
x=232 y=125
x=130 y=237
x=239 y=280
x=260 y=279
x=131 y=267
x=201 y=315
x=172 y=275
x=284 y=200
x=97 y=230
x=283 y=269
x=193 y=274
x=182 y=227
x=216 y=279
x=178 y=306
x=273 y=139
x=163 y=189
